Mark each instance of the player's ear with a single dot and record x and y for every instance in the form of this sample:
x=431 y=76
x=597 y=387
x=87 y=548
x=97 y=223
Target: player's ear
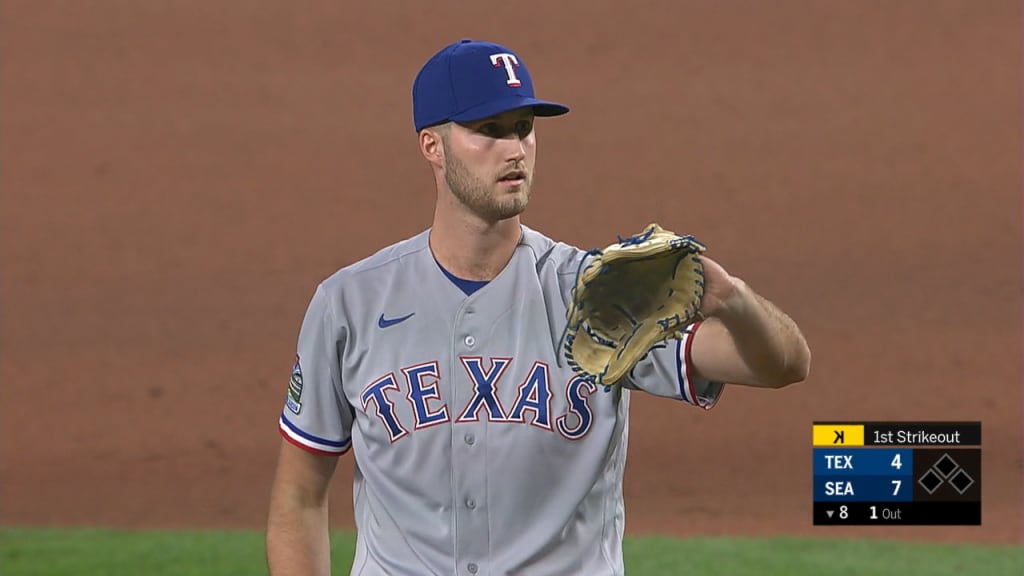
x=432 y=145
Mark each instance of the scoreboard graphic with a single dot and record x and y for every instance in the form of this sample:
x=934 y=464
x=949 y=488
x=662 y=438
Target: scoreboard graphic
x=905 y=473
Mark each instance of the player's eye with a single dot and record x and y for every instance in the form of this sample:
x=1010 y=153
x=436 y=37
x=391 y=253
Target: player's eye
x=521 y=128
x=491 y=129
x=524 y=127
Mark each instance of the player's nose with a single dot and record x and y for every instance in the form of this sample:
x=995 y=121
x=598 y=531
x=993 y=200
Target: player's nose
x=516 y=150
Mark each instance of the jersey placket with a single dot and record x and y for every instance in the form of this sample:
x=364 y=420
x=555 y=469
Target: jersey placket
x=469 y=450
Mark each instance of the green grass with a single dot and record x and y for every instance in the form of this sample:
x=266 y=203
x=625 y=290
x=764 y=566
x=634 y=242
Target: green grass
x=52 y=552
x=806 y=557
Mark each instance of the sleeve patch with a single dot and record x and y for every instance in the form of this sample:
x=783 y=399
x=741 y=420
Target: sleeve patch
x=294 y=400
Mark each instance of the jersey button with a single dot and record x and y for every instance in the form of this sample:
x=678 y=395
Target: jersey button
x=470 y=439
x=471 y=567
x=470 y=341
x=471 y=504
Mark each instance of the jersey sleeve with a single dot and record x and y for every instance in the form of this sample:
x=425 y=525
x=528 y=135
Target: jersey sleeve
x=667 y=371
x=316 y=415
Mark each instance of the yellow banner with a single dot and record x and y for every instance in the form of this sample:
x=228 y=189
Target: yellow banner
x=838 y=434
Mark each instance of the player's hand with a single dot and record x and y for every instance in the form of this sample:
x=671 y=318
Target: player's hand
x=720 y=289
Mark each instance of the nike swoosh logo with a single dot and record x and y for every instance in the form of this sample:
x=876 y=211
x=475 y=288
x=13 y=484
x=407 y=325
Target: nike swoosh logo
x=383 y=322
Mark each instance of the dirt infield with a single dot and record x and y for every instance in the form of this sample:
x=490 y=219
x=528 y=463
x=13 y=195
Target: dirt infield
x=177 y=177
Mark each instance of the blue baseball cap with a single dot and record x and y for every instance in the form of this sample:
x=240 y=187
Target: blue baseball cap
x=471 y=80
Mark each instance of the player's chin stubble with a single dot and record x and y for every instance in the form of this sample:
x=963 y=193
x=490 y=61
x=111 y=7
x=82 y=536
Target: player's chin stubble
x=486 y=199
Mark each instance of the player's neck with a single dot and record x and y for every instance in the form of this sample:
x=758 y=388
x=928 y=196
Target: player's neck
x=471 y=248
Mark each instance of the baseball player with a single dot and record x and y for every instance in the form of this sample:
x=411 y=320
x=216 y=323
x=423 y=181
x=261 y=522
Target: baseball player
x=436 y=362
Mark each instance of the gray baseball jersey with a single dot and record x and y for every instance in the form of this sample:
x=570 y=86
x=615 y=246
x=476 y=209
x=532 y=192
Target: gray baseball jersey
x=477 y=450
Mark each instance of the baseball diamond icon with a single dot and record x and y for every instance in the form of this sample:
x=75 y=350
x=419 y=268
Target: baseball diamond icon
x=945 y=465
x=944 y=470
x=961 y=481
x=930 y=481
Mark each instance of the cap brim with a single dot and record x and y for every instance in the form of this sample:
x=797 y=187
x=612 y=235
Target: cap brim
x=493 y=108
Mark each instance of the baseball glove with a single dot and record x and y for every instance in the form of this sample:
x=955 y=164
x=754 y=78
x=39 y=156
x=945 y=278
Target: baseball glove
x=643 y=290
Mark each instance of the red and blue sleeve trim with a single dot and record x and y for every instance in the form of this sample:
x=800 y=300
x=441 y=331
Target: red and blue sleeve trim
x=684 y=372
x=311 y=443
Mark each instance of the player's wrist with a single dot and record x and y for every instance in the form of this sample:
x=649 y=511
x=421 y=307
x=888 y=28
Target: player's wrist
x=736 y=305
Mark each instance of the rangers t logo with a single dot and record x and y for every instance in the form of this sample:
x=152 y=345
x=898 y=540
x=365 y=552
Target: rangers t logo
x=510 y=62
